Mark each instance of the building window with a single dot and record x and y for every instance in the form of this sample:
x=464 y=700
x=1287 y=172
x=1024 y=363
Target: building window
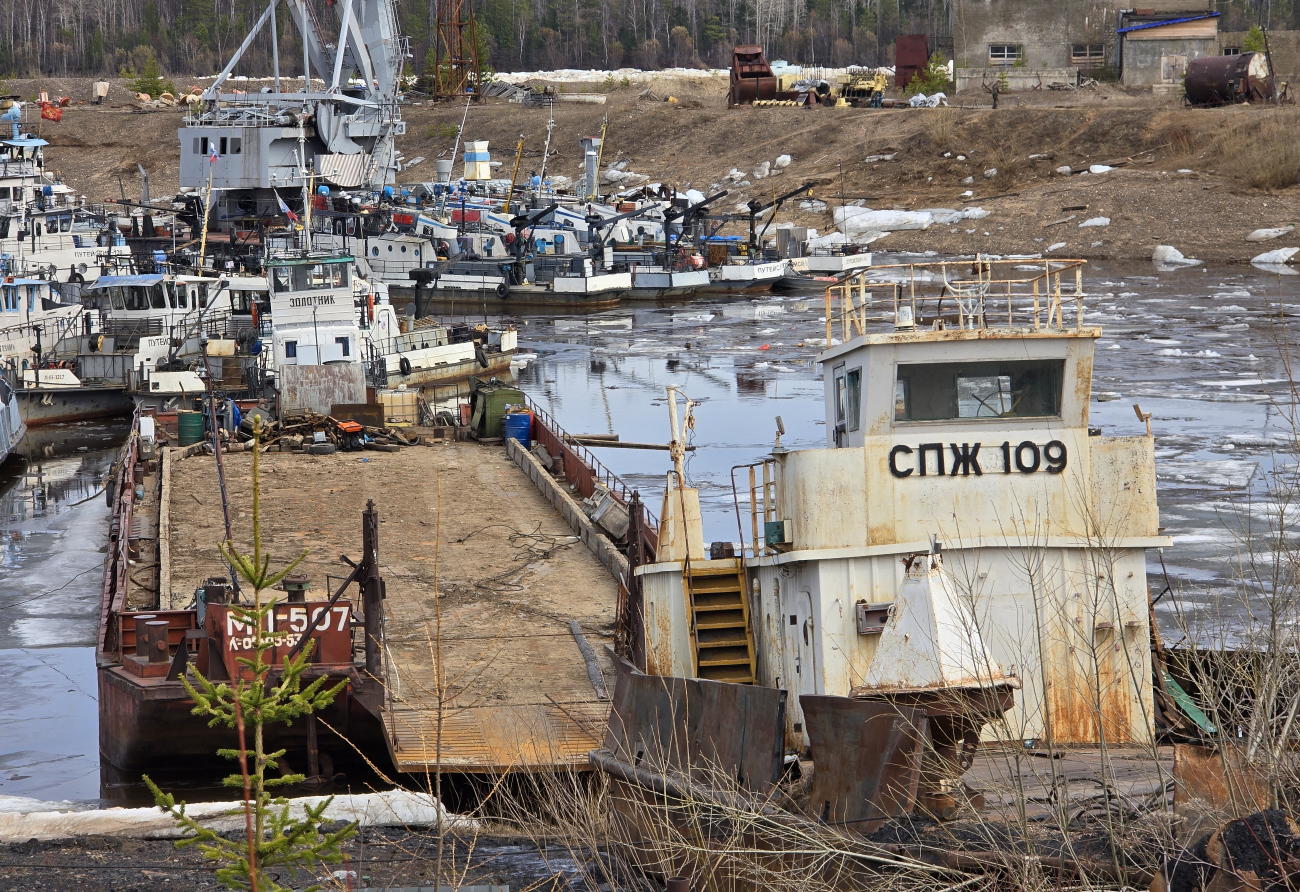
x=290 y=349
x=1087 y=54
x=344 y=345
x=959 y=390
x=1004 y=53
x=1232 y=51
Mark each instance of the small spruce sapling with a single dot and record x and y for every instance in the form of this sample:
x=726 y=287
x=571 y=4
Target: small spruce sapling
x=276 y=839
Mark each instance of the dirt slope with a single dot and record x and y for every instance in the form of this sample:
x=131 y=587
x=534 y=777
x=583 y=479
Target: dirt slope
x=1206 y=212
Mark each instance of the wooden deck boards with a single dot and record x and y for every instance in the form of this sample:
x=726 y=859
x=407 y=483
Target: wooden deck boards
x=515 y=689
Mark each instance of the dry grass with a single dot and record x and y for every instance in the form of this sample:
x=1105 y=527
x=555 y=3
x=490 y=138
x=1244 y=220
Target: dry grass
x=938 y=126
x=1263 y=154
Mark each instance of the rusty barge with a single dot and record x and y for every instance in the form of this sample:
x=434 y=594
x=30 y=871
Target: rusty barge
x=432 y=650
x=147 y=643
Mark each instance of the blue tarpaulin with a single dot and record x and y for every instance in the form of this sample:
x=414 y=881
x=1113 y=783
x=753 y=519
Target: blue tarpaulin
x=119 y=281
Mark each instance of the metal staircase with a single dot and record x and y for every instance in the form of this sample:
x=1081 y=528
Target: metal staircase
x=720 y=632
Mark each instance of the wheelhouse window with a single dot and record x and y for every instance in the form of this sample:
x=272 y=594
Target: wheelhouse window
x=290 y=349
x=964 y=390
x=1005 y=53
x=310 y=277
x=345 y=345
x=1087 y=54
x=11 y=298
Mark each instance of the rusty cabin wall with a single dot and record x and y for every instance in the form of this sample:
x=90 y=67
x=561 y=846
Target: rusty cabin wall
x=319 y=387
x=1070 y=623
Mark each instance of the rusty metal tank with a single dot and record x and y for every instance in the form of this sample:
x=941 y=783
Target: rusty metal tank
x=751 y=76
x=1223 y=80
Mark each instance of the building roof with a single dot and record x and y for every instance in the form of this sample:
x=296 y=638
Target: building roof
x=1142 y=26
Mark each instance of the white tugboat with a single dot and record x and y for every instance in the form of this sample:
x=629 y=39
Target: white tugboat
x=44 y=225
x=965 y=545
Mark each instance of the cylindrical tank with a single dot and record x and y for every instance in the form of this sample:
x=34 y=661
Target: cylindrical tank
x=189 y=427
x=1221 y=80
x=519 y=425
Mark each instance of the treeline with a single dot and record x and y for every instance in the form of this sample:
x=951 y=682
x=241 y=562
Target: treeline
x=195 y=37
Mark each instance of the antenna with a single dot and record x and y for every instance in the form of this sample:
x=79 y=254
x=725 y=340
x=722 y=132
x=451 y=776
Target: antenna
x=456 y=69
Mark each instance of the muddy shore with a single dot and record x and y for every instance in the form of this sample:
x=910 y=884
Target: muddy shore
x=1181 y=176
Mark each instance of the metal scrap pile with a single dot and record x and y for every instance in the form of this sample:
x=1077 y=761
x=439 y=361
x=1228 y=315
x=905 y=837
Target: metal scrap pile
x=310 y=433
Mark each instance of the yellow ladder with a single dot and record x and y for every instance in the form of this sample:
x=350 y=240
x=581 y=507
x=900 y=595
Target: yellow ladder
x=720 y=632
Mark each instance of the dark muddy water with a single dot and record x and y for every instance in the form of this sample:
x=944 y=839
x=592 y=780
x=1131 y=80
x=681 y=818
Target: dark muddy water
x=1197 y=348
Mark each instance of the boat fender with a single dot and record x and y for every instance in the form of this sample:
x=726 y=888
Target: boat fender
x=405 y=365
x=502 y=291
x=370 y=306
x=480 y=356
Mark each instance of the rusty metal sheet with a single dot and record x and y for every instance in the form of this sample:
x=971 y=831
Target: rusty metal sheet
x=319 y=387
x=1217 y=780
x=911 y=55
x=867 y=757
x=696 y=726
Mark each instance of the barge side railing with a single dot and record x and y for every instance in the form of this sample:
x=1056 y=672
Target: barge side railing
x=584 y=470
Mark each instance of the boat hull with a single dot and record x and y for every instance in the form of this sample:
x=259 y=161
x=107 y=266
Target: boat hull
x=453 y=372
x=148 y=723
x=519 y=297
x=40 y=406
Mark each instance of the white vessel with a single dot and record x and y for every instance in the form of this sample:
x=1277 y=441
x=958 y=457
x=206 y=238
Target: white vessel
x=44 y=225
x=964 y=534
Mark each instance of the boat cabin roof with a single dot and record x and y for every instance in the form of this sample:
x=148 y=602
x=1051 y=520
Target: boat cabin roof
x=105 y=282
x=309 y=259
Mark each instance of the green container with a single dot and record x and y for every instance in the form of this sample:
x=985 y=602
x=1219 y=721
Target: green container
x=189 y=427
x=490 y=404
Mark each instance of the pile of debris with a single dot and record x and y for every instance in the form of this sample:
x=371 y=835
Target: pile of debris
x=310 y=433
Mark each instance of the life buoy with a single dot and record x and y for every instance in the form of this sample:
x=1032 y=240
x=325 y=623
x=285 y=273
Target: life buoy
x=502 y=291
x=405 y=365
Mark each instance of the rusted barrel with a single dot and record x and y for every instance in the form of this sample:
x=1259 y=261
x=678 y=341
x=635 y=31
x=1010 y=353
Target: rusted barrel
x=1222 y=80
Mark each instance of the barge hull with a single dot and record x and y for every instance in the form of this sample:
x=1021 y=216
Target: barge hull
x=39 y=407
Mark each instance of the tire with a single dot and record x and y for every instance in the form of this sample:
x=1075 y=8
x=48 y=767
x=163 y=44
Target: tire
x=502 y=291
x=76 y=279
x=405 y=365
x=480 y=356
x=322 y=449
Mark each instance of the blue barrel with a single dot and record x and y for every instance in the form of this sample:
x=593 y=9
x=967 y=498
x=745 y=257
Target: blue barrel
x=519 y=425
x=189 y=427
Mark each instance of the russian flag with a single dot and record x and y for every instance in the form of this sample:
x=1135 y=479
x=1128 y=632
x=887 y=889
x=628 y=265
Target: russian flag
x=284 y=209
x=212 y=156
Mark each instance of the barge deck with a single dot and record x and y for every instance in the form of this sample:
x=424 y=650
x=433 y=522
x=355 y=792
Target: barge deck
x=514 y=691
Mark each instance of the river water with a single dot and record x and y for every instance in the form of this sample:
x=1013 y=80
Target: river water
x=1197 y=348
